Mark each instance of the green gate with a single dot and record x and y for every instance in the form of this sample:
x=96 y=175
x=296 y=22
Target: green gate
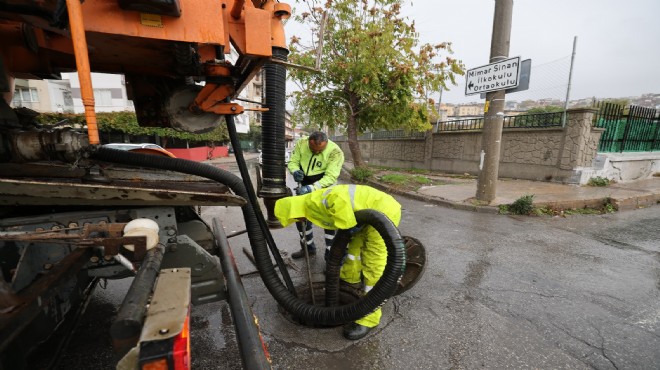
x=637 y=130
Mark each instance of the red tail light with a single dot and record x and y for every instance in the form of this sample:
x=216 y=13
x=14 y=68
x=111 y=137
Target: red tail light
x=168 y=354
x=181 y=350
x=165 y=339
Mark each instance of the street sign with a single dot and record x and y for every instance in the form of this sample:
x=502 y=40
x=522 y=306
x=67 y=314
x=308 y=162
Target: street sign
x=523 y=80
x=492 y=77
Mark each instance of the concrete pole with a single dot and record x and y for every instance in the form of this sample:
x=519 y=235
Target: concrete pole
x=494 y=116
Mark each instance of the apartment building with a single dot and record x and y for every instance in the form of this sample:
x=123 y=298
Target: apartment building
x=446 y=110
x=43 y=95
x=109 y=92
x=63 y=96
x=110 y=95
x=469 y=110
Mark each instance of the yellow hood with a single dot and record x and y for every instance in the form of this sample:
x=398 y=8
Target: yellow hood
x=288 y=210
x=328 y=208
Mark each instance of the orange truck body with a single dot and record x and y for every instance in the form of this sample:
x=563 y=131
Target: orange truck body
x=51 y=181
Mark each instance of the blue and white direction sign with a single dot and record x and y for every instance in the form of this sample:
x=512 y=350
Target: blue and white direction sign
x=492 y=77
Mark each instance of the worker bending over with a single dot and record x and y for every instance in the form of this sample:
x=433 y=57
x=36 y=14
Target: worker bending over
x=334 y=208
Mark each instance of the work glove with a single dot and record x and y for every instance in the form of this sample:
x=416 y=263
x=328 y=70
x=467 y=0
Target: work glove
x=298 y=176
x=304 y=189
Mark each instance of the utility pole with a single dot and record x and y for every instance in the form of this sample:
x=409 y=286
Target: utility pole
x=494 y=110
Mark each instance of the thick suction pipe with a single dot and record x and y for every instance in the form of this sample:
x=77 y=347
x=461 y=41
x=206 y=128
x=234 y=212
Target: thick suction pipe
x=307 y=312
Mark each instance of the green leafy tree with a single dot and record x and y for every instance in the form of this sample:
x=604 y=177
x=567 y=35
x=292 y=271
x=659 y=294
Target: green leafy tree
x=373 y=75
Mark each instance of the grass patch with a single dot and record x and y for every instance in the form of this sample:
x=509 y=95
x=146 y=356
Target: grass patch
x=608 y=206
x=582 y=211
x=408 y=181
x=422 y=180
x=523 y=202
x=361 y=174
x=523 y=205
x=421 y=171
x=394 y=178
x=599 y=181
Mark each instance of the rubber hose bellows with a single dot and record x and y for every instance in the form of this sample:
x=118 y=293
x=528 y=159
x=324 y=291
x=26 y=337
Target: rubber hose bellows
x=273 y=126
x=307 y=312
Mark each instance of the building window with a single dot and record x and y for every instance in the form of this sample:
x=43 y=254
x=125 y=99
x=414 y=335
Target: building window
x=66 y=97
x=25 y=95
x=103 y=97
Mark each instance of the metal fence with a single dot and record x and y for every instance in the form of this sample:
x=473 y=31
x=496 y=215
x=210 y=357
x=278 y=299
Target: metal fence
x=379 y=135
x=632 y=129
x=635 y=129
x=538 y=120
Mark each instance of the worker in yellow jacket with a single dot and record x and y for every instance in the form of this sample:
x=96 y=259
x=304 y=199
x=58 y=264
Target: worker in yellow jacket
x=334 y=208
x=315 y=163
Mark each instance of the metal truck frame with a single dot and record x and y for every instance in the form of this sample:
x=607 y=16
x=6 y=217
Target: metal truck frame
x=73 y=212
x=65 y=206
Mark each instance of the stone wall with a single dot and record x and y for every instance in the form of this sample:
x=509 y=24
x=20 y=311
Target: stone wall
x=547 y=154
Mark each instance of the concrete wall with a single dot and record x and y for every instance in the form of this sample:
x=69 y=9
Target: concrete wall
x=623 y=167
x=547 y=154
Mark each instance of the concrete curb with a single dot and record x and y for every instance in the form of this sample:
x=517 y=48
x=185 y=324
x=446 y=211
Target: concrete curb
x=423 y=198
x=642 y=201
x=623 y=198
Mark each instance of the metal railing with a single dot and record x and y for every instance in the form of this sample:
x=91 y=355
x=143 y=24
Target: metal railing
x=460 y=125
x=380 y=135
x=636 y=131
x=537 y=120
x=528 y=121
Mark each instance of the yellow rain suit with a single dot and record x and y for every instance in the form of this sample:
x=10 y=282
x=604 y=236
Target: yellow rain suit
x=333 y=208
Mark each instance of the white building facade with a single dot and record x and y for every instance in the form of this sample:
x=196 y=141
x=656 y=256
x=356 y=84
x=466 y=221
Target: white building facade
x=109 y=93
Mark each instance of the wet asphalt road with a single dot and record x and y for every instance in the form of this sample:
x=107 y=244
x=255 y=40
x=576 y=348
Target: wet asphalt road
x=498 y=292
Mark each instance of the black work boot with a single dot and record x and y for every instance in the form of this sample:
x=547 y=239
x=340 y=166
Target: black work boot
x=355 y=331
x=301 y=253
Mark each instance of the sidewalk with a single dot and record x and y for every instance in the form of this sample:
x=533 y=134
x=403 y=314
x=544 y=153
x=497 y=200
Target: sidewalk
x=460 y=193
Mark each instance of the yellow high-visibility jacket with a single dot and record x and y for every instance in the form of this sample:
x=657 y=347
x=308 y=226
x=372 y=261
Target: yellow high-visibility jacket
x=321 y=170
x=333 y=208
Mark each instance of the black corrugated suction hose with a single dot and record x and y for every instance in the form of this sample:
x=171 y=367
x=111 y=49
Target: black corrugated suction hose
x=394 y=269
x=307 y=312
x=273 y=127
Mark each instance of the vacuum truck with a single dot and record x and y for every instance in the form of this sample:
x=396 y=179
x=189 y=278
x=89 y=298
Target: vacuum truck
x=74 y=213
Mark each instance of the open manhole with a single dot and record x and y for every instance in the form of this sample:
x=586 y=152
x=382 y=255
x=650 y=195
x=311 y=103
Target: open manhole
x=347 y=294
x=415 y=264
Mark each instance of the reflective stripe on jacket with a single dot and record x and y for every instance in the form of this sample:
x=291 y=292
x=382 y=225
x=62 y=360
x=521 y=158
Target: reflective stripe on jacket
x=334 y=208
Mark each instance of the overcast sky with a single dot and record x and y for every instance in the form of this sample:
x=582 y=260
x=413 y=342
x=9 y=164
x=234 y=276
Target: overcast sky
x=618 y=43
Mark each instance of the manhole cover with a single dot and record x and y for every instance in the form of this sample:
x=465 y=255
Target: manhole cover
x=415 y=264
